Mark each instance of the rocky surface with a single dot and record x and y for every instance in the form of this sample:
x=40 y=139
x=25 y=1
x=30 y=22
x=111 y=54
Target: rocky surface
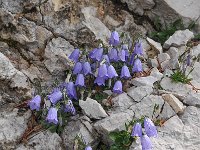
x=36 y=36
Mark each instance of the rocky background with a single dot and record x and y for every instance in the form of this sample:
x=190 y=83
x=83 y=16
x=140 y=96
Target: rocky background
x=35 y=36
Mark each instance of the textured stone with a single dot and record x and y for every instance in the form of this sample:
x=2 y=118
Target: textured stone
x=174 y=55
x=140 y=92
x=163 y=57
x=143 y=81
x=92 y=109
x=193 y=99
x=167 y=112
x=155 y=45
x=154 y=63
x=179 y=38
x=155 y=73
x=147 y=106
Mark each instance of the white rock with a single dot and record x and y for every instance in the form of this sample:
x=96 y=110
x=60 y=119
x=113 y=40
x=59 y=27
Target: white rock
x=146 y=106
x=179 y=38
x=156 y=46
x=163 y=57
x=143 y=81
x=167 y=112
x=195 y=51
x=193 y=99
x=174 y=54
x=195 y=74
x=155 y=73
x=154 y=63
x=92 y=109
x=140 y=92
x=174 y=102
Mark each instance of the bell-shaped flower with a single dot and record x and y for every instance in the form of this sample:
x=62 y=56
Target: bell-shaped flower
x=137 y=130
x=55 y=96
x=146 y=143
x=52 y=116
x=96 y=54
x=125 y=73
x=88 y=148
x=100 y=81
x=71 y=91
x=106 y=58
x=34 y=104
x=80 y=81
x=75 y=55
x=138 y=49
x=112 y=72
x=114 y=38
x=150 y=128
x=117 y=87
x=132 y=59
x=103 y=72
x=77 y=68
x=86 y=68
x=113 y=55
x=122 y=55
x=137 y=67
x=69 y=107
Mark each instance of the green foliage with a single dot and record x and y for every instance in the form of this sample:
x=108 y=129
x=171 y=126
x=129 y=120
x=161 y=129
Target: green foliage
x=178 y=76
x=163 y=33
x=197 y=37
x=79 y=143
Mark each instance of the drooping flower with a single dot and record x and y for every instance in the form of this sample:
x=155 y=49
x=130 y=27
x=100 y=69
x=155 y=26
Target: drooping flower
x=103 y=72
x=96 y=54
x=117 y=87
x=75 y=55
x=86 y=68
x=113 y=56
x=69 y=107
x=138 y=49
x=114 y=38
x=146 y=143
x=150 y=128
x=88 y=148
x=77 y=68
x=100 y=81
x=52 y=116
x=122 y=55
x=188 y=61
x=125 y=73
x=137 y=130
x=80 y=81
x=137 y=67
x=55 y=96
x=132 y=59
x=125 y=48
x=71 y=91
x=35 y=103
x=112 y=72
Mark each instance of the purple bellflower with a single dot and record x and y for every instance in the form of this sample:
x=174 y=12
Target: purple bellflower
x=96 y=54
x=137 y=67
x=112 y=72
x=114 y=38
x=113 y=56
x=88 y=148
x=35 y=103
x=122 y=55
x=125 y=48
x=103 y=72
x=71 y=91
x=137 y=130
x=75 y=55
x=55 y=96
x=77 y=68
x=69 y=107
x=117 y=87
x=188 y=60
x=125 y=72
x=100 y=81
x=86 y=68
x=146 y=143
x=52 y=116
x=80 y=81
x=150 y=128
x=107 y=61
x=138 y=49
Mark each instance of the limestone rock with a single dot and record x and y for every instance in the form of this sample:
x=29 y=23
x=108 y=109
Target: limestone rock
x=140 y=92
x=167 y=112
x=163 y=57
x=174 y=55
x=155 y=73
x=193 y=99
x=156 y=46
x=143 y=81
x=179 y=38
x=92 y=109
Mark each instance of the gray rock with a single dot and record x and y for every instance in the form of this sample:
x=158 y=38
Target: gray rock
x=163 y=57
x=140 y=92
x=43 y=140
x=92 y=109
x=193 y=99
x=195 y=74
x=147 y=106
x=177 y=88
x=155 y=73
x=12 y=127
x=154 y=63
x=144 y=81
x=179 y=38
x=155 y=45
x=195 y=51
x=174 y=55
x=167 y=112
x=174 y=102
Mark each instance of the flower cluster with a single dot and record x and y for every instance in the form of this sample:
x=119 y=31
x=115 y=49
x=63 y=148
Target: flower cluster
x=150 y=131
